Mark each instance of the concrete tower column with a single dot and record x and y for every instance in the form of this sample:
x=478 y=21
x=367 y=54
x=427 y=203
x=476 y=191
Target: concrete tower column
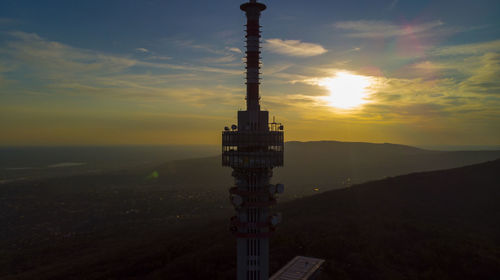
x=253 y=148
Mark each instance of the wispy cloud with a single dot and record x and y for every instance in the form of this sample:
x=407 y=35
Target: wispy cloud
x=142 y=50
x=220 y=60
x=468 y=49
x=485 y=79
x=429 y=65
x=158 y=57
x=384 y=29
x=148 y=54
x=219 y=55
x=51 y=58
x=448 y=83
x=419 y=99
x=195 y=46
x=60 y=69
x=294 y=48
x=235 y=50
x=57 y=58
x=53 y=68
x=231 y=54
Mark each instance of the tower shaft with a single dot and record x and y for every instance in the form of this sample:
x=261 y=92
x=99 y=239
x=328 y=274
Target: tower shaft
x=253 y=11
x=253 y=148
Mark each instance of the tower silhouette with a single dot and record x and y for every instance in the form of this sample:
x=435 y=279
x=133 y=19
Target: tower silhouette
x=253 y=148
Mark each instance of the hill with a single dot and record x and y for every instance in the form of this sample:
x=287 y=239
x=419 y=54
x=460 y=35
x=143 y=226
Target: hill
x=431 y=225
x=428 y=225
x=324 y=165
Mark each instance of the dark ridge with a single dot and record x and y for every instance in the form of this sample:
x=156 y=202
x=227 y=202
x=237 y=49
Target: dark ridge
x=430 y=225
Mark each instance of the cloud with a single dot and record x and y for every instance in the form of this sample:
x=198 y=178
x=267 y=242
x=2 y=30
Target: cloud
x=192 y=45
x=223 y=55
x=220 y=60
x=235 y=50
x=53 y=68
x=194 y=68
x=46 y=68
x=411 y=110
x=475 y=67
x=52 y=59
x=384 y=29
x=468 y=49
x=158 y=57
x=419 y=99
x=59 y=59
x=293 y=48
x=228 y=57
x=142 y=50
x=429 y=65
x=485 y=79
x=448 y=83
x=150 y=55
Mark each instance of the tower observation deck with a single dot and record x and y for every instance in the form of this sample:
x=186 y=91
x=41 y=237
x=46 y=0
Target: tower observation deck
x=253 y=148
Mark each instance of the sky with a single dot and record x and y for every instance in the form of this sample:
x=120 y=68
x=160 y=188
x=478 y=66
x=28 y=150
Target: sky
x=161 y=72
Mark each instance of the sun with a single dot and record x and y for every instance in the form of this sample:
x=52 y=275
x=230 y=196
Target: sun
x=347 y=90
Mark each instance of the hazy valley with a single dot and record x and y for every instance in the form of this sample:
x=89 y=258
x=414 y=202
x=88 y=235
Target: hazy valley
x=156 y=217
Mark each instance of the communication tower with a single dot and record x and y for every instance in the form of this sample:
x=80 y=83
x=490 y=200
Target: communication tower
x=253 y=148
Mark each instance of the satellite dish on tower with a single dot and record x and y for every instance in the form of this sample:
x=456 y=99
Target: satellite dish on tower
x=280 y=188
x=237 y=200
x=276 y=219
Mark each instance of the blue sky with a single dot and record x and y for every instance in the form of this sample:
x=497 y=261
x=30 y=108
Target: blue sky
x=170 y=72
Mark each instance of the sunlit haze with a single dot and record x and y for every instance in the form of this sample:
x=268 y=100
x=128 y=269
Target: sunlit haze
x=347 y=91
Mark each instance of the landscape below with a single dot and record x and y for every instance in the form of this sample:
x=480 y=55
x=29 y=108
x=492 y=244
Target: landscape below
x=170 y=221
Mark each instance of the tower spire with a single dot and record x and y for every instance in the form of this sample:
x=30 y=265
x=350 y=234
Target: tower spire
x=253 y=10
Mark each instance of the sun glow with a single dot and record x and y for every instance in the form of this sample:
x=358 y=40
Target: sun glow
x=347 y=90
